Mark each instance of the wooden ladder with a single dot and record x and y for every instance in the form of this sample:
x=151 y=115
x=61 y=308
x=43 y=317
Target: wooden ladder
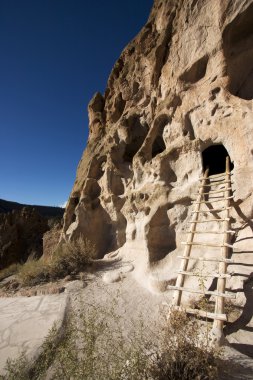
x=210 y=182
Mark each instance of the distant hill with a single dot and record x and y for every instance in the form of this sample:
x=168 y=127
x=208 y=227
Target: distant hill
x=45 y=211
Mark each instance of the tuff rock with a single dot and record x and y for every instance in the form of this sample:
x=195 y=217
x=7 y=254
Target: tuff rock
x=183 y=84
x=21 y=233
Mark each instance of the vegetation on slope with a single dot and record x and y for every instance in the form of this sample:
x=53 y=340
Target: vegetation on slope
x=69 y=258
x=94 y=346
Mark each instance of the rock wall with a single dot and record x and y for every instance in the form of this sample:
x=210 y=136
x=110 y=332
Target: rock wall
x=183 y=84
x=21 y=233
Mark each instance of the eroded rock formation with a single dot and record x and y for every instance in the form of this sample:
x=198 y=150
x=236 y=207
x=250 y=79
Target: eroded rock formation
x=21 y=233
x=183 y=84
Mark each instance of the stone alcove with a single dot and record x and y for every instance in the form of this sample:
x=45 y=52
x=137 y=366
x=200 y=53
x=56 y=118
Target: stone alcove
x=238 y=51
x=214 y=158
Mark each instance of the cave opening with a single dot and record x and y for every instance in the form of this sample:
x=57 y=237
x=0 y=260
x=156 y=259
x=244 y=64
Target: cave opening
x=196 y=72
x=238 y=51
x=214 y=158
x=137 y=132
x=158 y=146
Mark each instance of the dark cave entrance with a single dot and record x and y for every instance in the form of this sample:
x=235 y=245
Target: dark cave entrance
x=214 y=158
x=238 y=52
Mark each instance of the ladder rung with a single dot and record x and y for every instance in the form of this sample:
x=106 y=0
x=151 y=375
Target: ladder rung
x=211 y=210
x=203 y=313
x=223 y=180
x=209 y=232
x=217 y=175
x=212 y=201
x=216 y=275
x=216 y=183
x=198 y=291
x=228 y=261
x=207 y=244
x=210 y=220
x=215 y=191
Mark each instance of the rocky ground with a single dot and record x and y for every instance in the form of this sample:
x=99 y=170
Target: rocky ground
x=25 y=321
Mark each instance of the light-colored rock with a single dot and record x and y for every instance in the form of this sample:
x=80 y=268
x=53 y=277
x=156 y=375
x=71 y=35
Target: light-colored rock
x=127 y=268
x=25 y=322
x=113 y=276
x=182 y=85
x=75 y=286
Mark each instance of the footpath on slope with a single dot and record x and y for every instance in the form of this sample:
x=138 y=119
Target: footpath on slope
x=132 y=301
x=25 y=321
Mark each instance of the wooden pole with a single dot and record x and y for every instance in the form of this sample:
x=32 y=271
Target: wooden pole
x=184 y=263
x=221 y=283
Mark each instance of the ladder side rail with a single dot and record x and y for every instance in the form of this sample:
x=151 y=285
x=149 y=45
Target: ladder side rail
x=187 y=251
x=221 y=283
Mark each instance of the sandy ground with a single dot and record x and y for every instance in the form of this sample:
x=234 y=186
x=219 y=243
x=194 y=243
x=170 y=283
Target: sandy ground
x=133 y=301
x=25 y=321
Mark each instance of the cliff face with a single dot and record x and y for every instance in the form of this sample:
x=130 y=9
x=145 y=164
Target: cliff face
x=21 y=233
x=183 y=84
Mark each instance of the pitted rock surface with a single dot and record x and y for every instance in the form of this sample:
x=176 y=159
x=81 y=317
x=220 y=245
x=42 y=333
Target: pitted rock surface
x=183 y=84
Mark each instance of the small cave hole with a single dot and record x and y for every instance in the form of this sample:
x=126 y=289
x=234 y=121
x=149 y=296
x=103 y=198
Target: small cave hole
x=147 y=210
x=131 y=50
x=188 y=127
x=158 y=146
x=196 y=72
x=118 y=68
x=117 y=186
x=74 y=201
x=161 y=237
x=93 y=190
x=137 y=132
x=214 y=158
x=118 y=108
x=238 y=52
x=136 y=87
x=96 y=170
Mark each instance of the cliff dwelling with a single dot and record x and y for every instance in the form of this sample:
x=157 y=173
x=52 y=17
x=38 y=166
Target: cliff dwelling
x=176 y=102
x=214 y=158
x=160 y=216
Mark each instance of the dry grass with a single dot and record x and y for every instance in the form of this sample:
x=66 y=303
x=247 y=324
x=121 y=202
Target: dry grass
x=202 y=303
x=69 y=258
x=230 y=309
x=33 y=272
x=72 y=257
x=186 y=353
x=9 y=271
x=95 y=347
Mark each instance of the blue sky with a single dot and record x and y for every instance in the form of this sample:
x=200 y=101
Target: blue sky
x=55 y=54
